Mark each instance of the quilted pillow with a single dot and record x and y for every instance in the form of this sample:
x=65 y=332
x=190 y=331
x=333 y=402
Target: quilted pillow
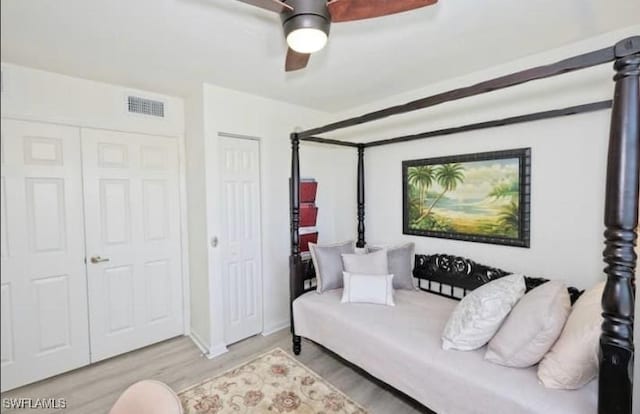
x=479 y=314
x=327 y=260
x=532 y=327
x=573 y=360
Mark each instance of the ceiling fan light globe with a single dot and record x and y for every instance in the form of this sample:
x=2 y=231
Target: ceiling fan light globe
x=307 y=40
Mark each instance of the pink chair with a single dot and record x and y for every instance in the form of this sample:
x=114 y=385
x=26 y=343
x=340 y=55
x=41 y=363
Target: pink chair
x=147 y=397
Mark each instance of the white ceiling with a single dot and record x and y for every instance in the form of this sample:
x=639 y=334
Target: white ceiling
x=172 y=46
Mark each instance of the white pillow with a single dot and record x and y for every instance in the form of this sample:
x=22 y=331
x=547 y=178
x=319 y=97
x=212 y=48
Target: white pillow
x=479 y=314
x=375 y=263
x=573 y=360
x=368 y=289
x=532 y=327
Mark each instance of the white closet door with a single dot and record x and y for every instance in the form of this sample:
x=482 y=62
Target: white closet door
x=44 y=298
x=133 y=240
x=240 y=243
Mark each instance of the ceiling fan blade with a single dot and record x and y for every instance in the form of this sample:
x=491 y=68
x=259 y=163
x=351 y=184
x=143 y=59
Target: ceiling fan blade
x=295 y=60
x=348 y=10
x=273 y=5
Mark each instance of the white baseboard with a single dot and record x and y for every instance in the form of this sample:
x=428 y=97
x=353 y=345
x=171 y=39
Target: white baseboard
x=217 y=350
x=268 y=330
x=199 y=342
x=208 y=351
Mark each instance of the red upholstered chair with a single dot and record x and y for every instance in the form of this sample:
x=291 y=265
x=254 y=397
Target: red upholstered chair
x=147 y=397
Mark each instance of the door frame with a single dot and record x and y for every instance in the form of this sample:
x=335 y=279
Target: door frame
x=184 y=234
x=218 y=343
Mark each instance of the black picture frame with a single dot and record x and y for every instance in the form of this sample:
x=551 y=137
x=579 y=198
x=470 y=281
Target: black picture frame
x=524 y=196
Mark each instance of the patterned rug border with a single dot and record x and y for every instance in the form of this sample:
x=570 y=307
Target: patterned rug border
x=277 y=348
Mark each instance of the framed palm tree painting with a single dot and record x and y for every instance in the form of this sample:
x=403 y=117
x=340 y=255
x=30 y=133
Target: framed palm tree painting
x=481 y=197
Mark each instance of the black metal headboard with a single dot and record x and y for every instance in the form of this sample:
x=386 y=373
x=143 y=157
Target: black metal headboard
x=442 y=274
x=455 y=276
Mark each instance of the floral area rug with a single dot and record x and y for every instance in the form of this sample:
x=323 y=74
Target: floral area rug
x=273 y=382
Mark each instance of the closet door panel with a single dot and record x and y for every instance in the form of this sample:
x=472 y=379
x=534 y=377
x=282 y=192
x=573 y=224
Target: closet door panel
x=241 y=253
x=133 y=234
x=44 y=298
x=6 y=336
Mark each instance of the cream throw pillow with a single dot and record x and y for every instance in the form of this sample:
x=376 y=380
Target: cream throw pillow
x=479 y=314
x=368 y=289
x=375 y=263
x=573 y=361
x=532 y=327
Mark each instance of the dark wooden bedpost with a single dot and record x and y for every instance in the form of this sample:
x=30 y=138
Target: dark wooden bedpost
x=621 y=221
x=361 y=242
x=295 y=263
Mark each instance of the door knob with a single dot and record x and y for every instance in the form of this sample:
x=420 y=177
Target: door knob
x=98 y=259
x=214 y=242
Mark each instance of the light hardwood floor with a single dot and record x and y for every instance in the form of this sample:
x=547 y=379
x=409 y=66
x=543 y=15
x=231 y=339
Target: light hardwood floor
x=179 y=363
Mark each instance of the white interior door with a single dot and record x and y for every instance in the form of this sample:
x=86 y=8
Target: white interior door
x=240 y=242
x=133 y=240
x=44 y=298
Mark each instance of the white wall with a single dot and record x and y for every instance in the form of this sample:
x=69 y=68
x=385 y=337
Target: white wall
x=568 y=164
x=567 y=184
x=32 y=94
x=196 y=194
x=271 y=121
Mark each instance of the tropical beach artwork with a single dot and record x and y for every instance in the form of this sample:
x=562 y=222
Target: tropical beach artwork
x=475 y=197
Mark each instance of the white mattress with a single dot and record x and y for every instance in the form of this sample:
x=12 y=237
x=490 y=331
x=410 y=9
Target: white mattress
x=401 y=346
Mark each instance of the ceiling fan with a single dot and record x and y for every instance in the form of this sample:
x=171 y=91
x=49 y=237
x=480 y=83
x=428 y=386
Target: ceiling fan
x=306 y=23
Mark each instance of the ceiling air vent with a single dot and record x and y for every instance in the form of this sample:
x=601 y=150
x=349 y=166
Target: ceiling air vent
x=144 y=106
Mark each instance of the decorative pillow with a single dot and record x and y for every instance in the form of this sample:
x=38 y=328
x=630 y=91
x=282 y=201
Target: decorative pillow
x=375 y=263
x=327 y=260
x=401 y=260
x=573 y=360
x=479 y=314
x=532 y=327
x=368 y=289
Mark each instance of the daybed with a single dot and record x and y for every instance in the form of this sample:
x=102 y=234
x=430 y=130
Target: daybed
x=402 y=346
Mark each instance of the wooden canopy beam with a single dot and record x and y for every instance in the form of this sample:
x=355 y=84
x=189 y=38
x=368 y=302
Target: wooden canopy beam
x=536 y=116
x=564 y=66
x=330 y=141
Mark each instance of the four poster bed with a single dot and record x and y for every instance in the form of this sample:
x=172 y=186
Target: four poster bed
x=614 y=394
